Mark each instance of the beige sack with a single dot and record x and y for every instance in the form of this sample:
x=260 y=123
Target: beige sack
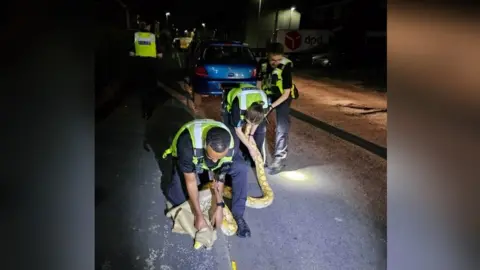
x=183 y=220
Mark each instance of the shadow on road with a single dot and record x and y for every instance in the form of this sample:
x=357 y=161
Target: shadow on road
x=167 y=119
x=159 y=133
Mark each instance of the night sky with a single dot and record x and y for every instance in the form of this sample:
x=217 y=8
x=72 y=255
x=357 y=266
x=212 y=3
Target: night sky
x=215 y=13
x=191 y=13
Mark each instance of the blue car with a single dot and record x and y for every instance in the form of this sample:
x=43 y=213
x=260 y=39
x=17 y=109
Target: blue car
x=213 y=63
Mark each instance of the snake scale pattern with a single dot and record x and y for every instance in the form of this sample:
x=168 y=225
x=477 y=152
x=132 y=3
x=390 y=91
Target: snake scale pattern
x=229 y=226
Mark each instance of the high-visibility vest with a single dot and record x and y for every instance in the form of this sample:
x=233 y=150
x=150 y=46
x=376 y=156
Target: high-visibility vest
x=145 y=45
x=268 y=86
x=246 y=95
x=198 y=133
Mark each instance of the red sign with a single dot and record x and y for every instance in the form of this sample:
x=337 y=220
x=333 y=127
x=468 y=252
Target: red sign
x=293 y=40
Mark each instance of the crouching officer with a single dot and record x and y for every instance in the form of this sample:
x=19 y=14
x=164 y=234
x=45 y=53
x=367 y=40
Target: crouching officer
x=246 y=105
x=146 y=53
x=274 y=76
x=203 y=146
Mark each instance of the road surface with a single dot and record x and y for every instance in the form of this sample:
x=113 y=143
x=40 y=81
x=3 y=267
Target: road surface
x=329 y=210
x=358 y=110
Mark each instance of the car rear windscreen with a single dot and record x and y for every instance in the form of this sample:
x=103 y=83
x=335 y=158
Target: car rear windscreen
x=225 y=54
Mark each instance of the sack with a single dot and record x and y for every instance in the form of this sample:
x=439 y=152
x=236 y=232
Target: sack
x=294 y=92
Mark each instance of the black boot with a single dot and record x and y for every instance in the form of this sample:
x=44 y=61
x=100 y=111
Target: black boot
x=148 y=115
x=243 y=229
x=276 y=166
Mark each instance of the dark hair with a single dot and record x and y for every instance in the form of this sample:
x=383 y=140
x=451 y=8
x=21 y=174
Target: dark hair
x=255 y=113
x=275 y=48
x=218 y=139
x=143 y=25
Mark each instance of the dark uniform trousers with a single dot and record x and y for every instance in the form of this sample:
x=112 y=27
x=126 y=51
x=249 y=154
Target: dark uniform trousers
x=177 y=190
x=146 y=82
x=282 y=129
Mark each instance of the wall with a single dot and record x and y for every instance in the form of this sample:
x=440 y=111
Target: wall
x=288 y=19
x=112 y=42
x=259 y=32
x=262 y=31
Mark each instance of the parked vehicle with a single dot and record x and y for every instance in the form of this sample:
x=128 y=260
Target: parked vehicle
x=213 y=63
x=322 y=59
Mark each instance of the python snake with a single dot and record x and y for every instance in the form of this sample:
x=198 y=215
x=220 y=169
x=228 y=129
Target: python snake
x=229 y=226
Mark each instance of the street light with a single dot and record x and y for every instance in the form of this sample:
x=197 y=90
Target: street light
x=203 y=25
x=290 y=22
x=166 y=17
x=258 y=21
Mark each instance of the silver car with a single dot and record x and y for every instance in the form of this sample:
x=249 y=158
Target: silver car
x=322 y=59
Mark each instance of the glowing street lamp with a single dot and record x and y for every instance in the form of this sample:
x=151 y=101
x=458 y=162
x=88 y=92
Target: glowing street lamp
x=291 y=13
x=166 y=17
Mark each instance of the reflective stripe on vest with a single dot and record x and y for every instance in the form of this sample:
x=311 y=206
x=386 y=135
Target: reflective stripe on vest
x=232 y=94
x=145 y=44
x=247 y=97
x=197 y=135
x=197 y=130
x=200 y=131
x=267 y=83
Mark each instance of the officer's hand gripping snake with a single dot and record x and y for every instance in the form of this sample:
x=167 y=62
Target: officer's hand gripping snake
x=229 y=226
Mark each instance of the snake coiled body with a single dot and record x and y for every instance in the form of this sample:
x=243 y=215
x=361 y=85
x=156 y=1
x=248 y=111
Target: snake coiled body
x=229 y=226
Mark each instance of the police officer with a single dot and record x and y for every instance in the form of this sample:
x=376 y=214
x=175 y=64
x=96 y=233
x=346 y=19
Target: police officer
x=145 y=52
x=201 y=146
x=246 y=105
x=274 y=76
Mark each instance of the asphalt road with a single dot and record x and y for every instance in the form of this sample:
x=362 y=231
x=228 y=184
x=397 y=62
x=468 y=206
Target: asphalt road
x=329 y=211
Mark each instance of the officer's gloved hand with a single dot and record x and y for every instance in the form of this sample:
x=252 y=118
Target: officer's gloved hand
x=131 y=53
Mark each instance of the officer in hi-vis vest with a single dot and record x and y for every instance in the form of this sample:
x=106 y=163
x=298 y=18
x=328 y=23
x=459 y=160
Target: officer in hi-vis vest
x=201 y=146
x=146 y=54
x=145 y=43
x=246 y=105
x=274 y=76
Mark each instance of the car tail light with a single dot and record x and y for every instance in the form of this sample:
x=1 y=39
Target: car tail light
x=201 y=71
x=254 y=73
